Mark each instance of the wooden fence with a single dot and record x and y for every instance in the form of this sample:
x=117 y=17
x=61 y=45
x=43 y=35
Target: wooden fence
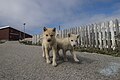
x=100 y=35
x=36 y=39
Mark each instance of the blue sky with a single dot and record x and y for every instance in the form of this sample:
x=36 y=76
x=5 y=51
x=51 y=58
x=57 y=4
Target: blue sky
x=52 y=13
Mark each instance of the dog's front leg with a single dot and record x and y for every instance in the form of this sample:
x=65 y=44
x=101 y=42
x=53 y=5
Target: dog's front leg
x=43 y=52
x=54 y=56
x=74 y=56
x=47 y=56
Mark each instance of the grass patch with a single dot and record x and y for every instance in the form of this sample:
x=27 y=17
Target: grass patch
x=30 y=43
x=111 y=52
x=2 y=41
x=26 y=42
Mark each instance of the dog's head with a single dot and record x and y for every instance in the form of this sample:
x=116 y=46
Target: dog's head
x=73 y=38
x=49 y=34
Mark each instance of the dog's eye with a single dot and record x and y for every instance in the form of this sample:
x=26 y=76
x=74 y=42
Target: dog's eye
x=46 y=34
x=51 y=35
x=76 y=41
x=71 y=40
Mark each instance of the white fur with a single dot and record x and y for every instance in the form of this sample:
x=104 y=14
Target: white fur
x=66 y=44
x=47 y=46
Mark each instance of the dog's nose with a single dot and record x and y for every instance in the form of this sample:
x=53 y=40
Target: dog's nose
x=74 y=45
x=49 y=40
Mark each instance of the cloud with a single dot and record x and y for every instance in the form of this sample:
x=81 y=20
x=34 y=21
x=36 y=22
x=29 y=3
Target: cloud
x=86 y=19
x=39 y=13
x=35 y=12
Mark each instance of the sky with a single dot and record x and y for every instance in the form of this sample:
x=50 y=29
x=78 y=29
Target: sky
x=53 y=13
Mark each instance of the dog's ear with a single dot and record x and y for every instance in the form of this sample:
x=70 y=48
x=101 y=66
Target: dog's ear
x=69 y=34
x=44 y=29
x=78 y=36
x=54 y=29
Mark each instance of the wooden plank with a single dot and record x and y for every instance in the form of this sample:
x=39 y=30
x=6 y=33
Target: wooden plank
x=75 y=30
x=61 y=33
x=33 y=39
x=83 y=31
x=108 y=35
x=100 y=36
x=93 y=35
x=112 y=34
x=86 y=36
x=89 y=37
x=116 y=22
x=81 y=34
x=96 y=35
x=103 y=35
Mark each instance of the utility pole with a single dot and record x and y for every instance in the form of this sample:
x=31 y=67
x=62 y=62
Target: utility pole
x=24 y=29
x=59 y=28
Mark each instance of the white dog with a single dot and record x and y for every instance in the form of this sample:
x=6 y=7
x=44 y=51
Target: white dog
x=67 y=44
x=48 y=43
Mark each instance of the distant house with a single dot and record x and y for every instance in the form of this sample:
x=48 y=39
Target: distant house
x=9 y=33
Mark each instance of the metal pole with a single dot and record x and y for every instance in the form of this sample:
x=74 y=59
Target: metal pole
x=59 y=31
x=24 y=29
x=59 y=27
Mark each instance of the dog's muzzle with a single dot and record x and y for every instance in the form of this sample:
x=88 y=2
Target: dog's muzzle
x=49 y=40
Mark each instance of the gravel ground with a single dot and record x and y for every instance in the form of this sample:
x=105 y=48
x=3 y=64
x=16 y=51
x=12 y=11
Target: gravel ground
x=25 y=62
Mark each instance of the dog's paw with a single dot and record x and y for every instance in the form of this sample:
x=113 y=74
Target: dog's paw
x=54 y=64
x=76 y=60
x=43 y=56
x=48 y=61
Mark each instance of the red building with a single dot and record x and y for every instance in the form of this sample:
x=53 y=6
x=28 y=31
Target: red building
x=9 y=33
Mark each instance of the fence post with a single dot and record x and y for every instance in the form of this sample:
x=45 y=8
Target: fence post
x=33 y=39
x=64 y=33
x=93 y=36
x=68 y=31
x=78 y=32
x=116 y=26
x=112 y=34
x=116 y=29
x=81 y=36
x=37 y=39
x=108 y=35
x=86 y=36
x=89 y=37
x=104 y=34
x=75 y=30
x=41 y=38
x=96 y=35
x=61 y=33
x=84 y=39
x=100 y=36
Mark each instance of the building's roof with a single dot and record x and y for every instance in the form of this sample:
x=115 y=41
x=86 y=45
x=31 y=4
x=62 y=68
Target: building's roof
x=4 y=27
